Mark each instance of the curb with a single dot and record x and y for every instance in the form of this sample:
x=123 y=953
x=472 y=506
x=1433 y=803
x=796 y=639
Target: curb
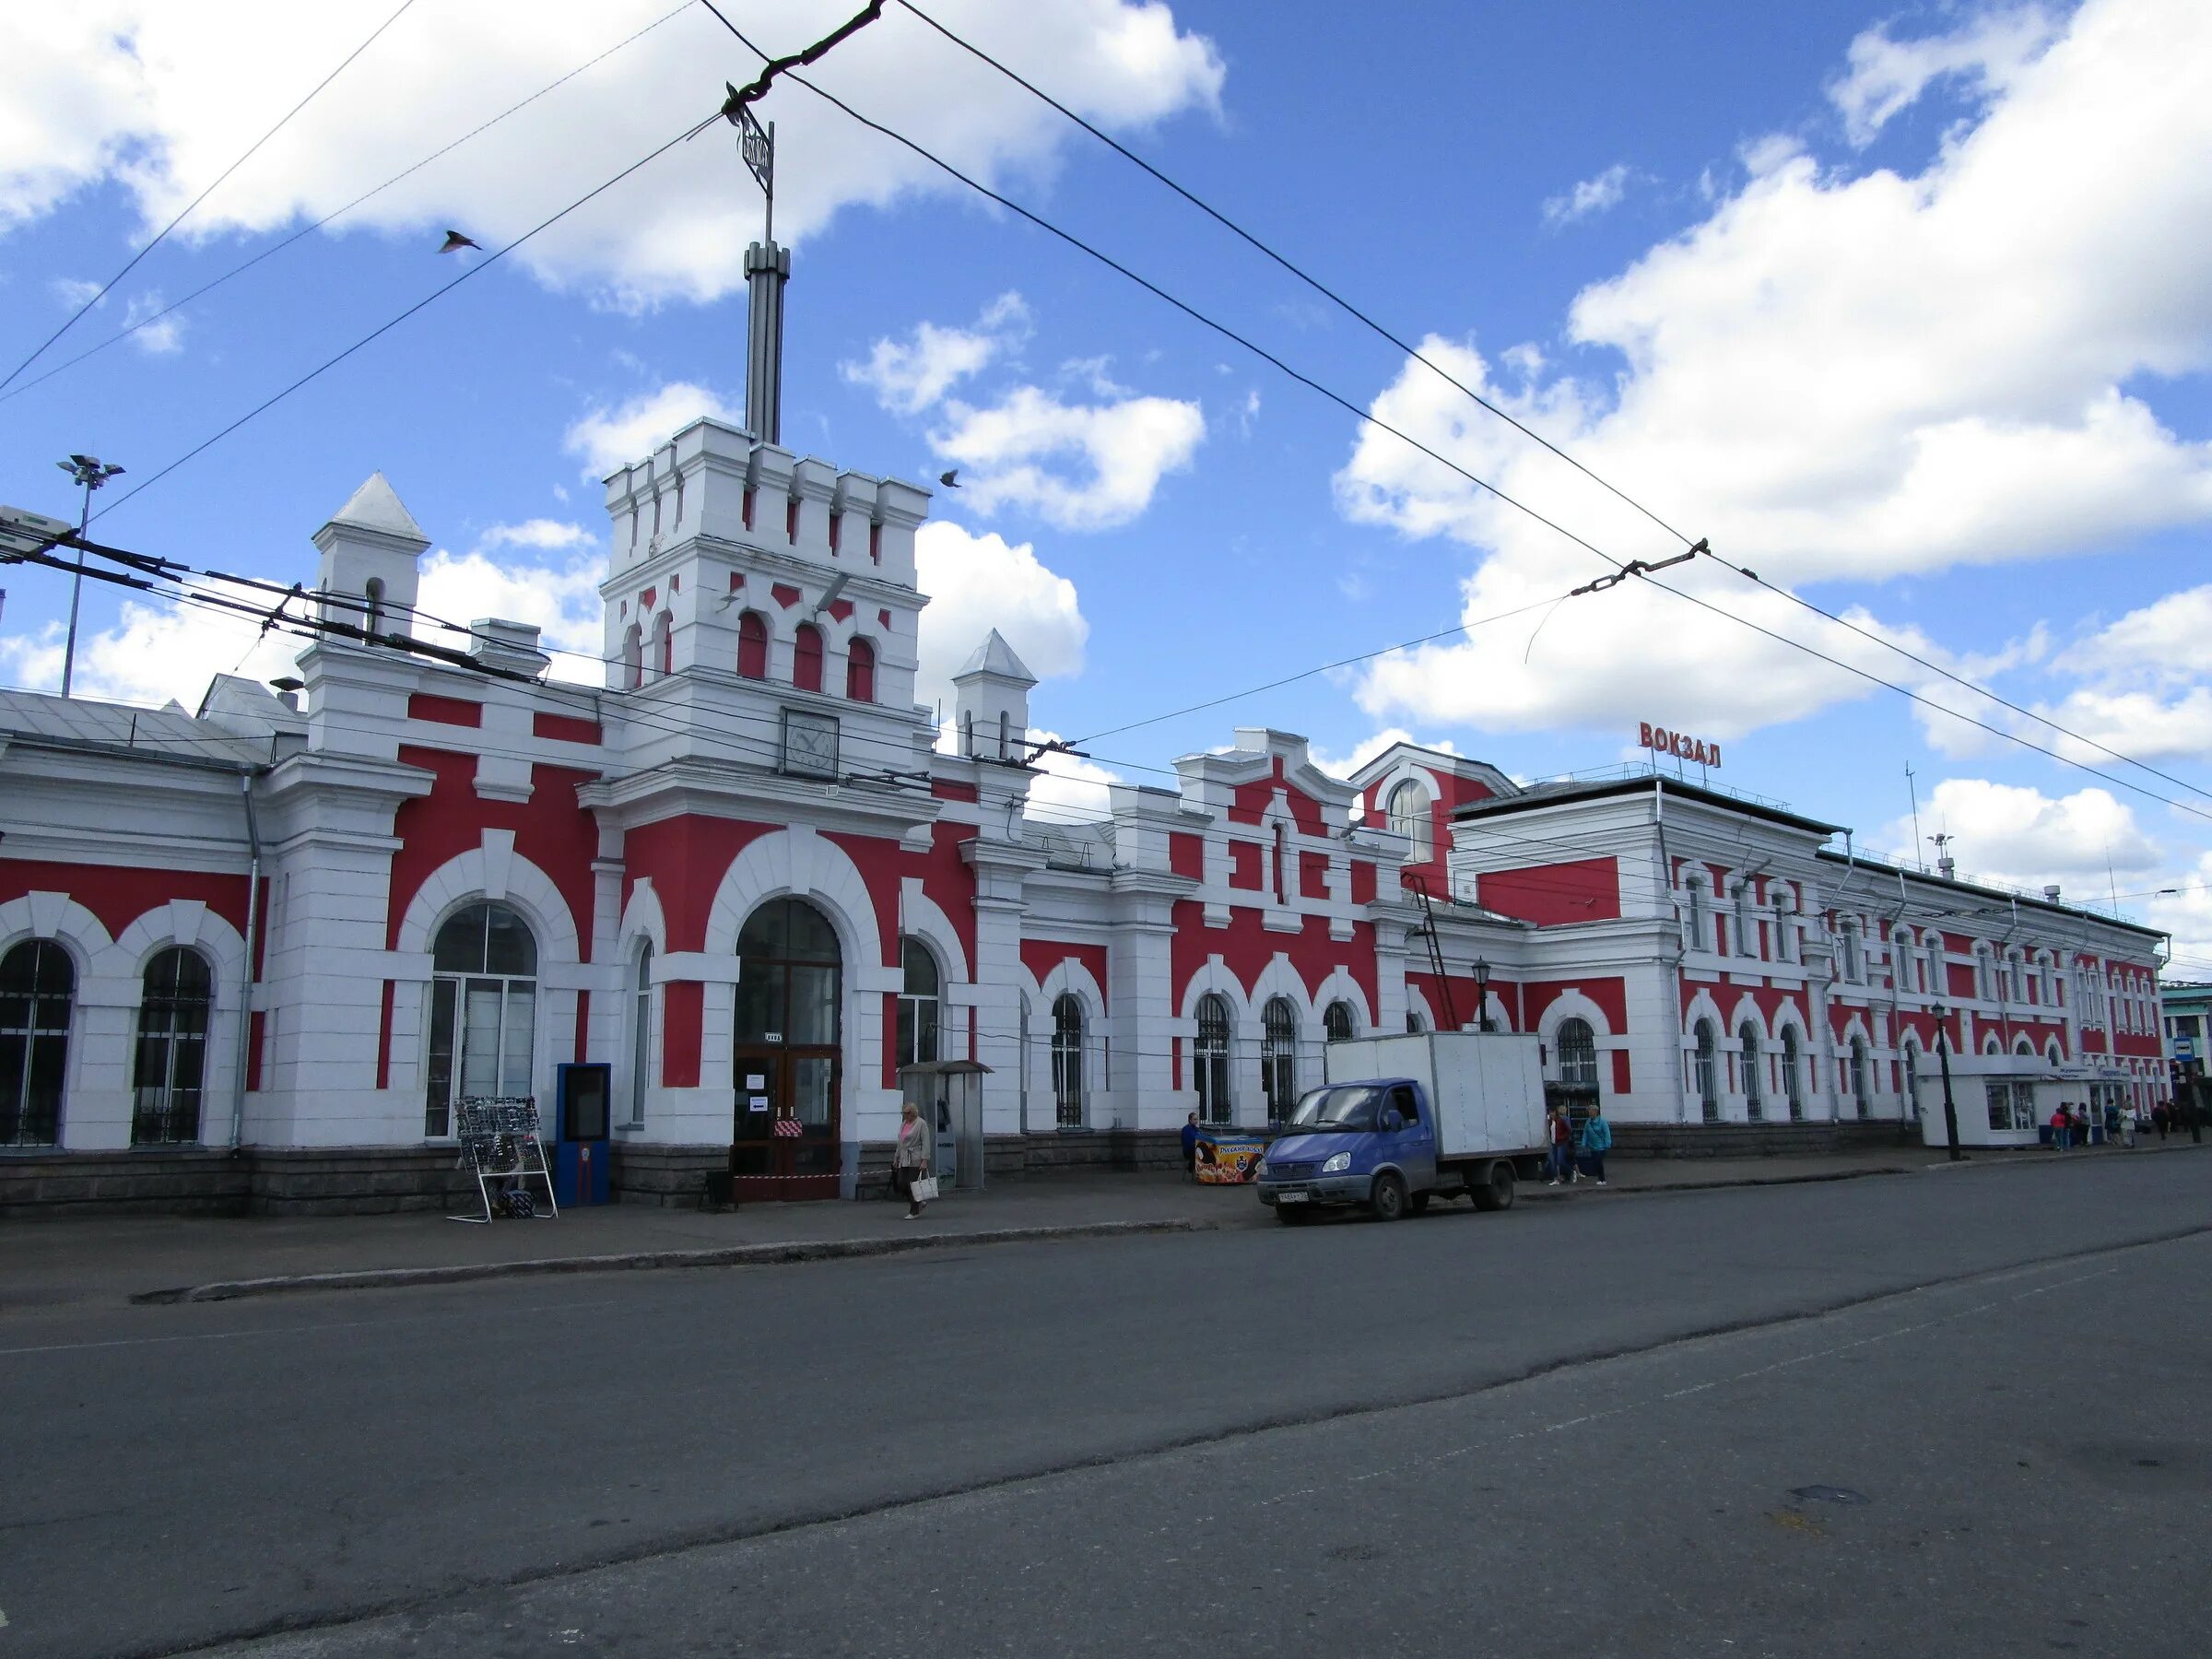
x=732 y=1255
x=1719 y=1186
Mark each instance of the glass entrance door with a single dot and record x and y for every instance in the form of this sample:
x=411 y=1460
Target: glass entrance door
x=783 y=1141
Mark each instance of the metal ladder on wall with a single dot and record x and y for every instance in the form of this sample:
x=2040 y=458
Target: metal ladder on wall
x=1419 y=884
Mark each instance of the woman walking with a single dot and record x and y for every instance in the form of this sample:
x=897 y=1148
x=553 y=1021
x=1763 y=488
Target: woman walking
x=910 y=1161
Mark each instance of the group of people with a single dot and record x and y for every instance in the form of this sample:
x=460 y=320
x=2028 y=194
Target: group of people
x=2073 y=1125
x=1578 y=1149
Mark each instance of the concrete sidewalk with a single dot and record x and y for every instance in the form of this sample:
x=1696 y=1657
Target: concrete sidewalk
x=114 y=1260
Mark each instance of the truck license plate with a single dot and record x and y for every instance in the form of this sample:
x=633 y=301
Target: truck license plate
x=1290 y=1197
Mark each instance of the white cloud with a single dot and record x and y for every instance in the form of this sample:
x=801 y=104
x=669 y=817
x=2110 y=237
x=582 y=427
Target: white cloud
x=1837 y=376
x=162 y=336
x=160 y=98
x=909 y=378
x=1123 y=450
x=2186 y=913
x=562 y=601
x=1367 y=748
x=609 y=438
x=537 y=532
x=2163 y=642
x=979 y=582
x=1590 y=196
x=1888 y=75
x=2015 y=837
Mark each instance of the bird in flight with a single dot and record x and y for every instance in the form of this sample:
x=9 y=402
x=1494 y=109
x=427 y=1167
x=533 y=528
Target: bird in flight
x=951 y=480
x=454 y=240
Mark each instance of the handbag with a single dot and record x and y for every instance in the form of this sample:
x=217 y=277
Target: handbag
x=922 y=1189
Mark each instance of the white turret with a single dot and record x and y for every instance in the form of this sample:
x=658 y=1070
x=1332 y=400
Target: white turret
x=991 y=702
x=368 y=572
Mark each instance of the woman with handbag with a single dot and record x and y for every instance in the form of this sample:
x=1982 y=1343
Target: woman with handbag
x=910 y=1161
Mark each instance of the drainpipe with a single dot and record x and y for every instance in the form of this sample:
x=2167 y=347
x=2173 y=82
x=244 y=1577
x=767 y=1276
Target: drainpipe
x=245 y=1001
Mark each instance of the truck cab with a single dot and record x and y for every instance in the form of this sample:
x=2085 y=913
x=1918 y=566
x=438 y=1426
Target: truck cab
x=1464 y=1118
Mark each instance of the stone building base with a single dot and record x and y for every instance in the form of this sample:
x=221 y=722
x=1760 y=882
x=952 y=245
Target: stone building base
x=1761 y=1141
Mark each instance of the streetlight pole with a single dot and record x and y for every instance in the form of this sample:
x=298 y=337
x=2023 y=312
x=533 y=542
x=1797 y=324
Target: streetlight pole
x=1943 y=1058
x=1482 y=994
x=91 y=472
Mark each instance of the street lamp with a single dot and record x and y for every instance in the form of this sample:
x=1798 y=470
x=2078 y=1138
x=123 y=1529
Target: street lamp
x=1943 y=1058
x=1482 y=993
x=91 y=472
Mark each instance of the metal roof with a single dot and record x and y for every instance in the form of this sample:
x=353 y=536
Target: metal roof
x=110 y=726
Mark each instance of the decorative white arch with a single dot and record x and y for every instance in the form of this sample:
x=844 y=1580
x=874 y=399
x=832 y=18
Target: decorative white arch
x=1280 y=979
x=1340 y=986
x=58 y=917
x=1702 y=1006
x=1418 y=1004
x=1212 y=975
x=1069 y=975
x=922 y=917
x=494 y=871
x=2050 y=1052
x=1748 y=1011
x=800 y=862
x=1572 y=1005
x=190 y=922
x=642 y=921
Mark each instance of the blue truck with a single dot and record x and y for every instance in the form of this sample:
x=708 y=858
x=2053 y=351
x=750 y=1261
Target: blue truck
x=1402 y=1120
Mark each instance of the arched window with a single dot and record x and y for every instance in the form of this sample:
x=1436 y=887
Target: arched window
x=1747 y=932
x=633 y=658
x=790 y=976
x=1854 y=950
x=1414 y=1024
x=1025 y=1062
x=1282 y=876
x=1278 y=1058
x=1862 y=1080
x=919 y=1004
x=1793 y=1072
x=1755 y=1093
x=169 y=1066
x=1209 y=1061
x=372 y=620
x=1903 y=962
x=1785 y=925
x=1577 y=1044
x=1697 y=915
x=1408 y=810
x=38 y=987
x=483 y=1010
x=752 y=645
x=2023 y=1047
x=807 y=657
x=1707 y=1070
x=1339 y=1023
x=860 y=671
x=1005 y=736
x=1939 y=983
x=1909 y=1060
x=664 y=646
x=1067 y=1061
x=641 y=1033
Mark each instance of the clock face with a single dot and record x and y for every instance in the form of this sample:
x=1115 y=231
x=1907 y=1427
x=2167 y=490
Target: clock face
x=809 y=744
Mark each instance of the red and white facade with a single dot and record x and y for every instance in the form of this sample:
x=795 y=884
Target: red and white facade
x=744 y=871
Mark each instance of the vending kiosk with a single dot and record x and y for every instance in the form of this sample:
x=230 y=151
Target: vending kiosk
x=580 y=1159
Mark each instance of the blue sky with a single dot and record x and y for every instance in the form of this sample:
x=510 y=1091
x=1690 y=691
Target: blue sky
x=1902 y=306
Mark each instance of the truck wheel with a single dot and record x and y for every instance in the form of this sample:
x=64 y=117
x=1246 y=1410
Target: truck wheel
x=1495 y=1192
x=1388 y=1202
x=1419 y=1204
x=1293 y=1214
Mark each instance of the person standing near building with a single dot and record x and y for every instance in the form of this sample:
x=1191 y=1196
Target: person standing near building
x=1561 y=1132
x=1597 y=1140
x=2062 y=1127
x=910 y=1158
x=1191 y=1134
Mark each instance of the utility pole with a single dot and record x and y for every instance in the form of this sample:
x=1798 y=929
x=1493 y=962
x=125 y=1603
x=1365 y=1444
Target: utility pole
x=93 y=473
x=1912 y=788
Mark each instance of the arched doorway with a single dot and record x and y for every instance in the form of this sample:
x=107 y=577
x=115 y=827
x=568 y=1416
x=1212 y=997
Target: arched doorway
x=38 y=988
x=785 y=1137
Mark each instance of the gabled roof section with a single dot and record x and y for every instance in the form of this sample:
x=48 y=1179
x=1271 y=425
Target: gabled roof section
x=80 y=723
x=1435 y=760
x=996 y=656
x=376 y=506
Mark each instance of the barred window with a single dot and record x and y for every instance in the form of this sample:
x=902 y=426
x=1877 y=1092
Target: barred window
x=1210 y=1061
x=169 y=1064
x=1578 y=1054
x=1278 y=1058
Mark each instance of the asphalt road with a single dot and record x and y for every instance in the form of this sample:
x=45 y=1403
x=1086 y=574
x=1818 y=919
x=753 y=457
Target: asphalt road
x=1460 y=1432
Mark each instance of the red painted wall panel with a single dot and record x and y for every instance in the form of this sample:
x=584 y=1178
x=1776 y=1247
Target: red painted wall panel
x=564 y=728
x=444 y=711
x=1042 y=956
x=550 y=831
x=383 y=1038
x=683 y=1019
x=1246 y=947
x=119 y=895
x=1314 y=875
x=1363 y=882
x=1582 y=890
x=1244 y=863
x=685 y=858
x=1186 y=855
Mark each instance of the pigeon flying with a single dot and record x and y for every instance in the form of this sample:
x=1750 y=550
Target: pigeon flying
x=951 y=480
x=455 y=241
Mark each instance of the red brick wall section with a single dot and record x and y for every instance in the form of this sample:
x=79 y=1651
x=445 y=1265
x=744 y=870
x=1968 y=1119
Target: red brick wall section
x=564 y=728
x=683 y=1019
x=119 y=897
x=1314 y=875
x=1244 y=863
x=1363 y=881
x=1582 y=890
x=550 y=831
x=444 y=711
x=1042 y=956
x=1186 y=855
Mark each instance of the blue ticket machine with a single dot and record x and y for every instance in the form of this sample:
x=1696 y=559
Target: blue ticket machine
x=580 y=1157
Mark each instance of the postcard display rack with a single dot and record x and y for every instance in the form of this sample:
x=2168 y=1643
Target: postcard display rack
x=501 y=1146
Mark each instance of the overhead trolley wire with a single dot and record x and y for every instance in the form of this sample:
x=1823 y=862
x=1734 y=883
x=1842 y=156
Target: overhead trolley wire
x=337 y=213
x=161 y=234
x=1435 y=367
